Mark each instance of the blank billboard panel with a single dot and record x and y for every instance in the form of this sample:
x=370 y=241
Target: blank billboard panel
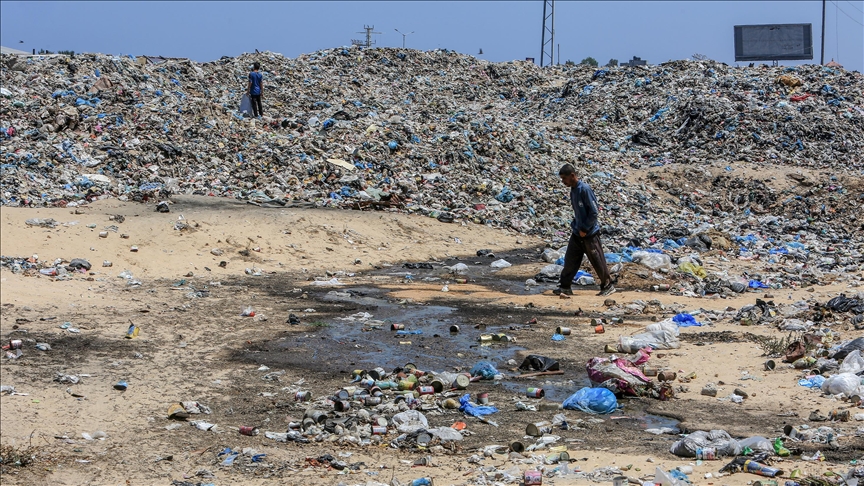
x=773 y=42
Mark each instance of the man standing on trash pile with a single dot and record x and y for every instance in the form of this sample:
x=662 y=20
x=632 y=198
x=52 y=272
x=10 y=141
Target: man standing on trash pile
x=585 y=238
x=256 y=90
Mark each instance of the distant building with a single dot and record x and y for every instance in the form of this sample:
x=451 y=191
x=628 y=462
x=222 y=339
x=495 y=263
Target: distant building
x=636 y=61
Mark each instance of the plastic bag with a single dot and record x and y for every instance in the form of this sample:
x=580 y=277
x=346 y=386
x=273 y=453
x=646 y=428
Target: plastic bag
x=693 y=269
x=459 y=269
x=654 y=261
x=410 y=421
x=535 y=362
x=686 y=320
x=245 y=105
x=720 y=440
x=659 y=339
x=853 y=363
x=856 y=344
x=502 y=263
x=474 y=410
x=757 y=444
x=845 y=383
x=552 y=271
x=484 y=369
x=549 y=255
x=812 y=382
x=664 y=325
x=592 y=400
x=583 y=278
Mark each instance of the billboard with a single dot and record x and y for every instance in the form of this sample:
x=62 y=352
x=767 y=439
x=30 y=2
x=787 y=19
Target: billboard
x=773 y=42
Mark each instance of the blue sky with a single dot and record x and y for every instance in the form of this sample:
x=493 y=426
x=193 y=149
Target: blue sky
x=505 y=30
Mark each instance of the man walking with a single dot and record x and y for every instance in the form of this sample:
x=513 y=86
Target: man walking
x=256 y=90
x=585 y=238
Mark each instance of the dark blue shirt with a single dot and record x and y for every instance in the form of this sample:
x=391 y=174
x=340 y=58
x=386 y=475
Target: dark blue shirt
x=584 y=210
x=255 y=78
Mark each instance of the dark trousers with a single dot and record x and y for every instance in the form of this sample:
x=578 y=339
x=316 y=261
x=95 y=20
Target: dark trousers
x=578 y=247
x=257 y=110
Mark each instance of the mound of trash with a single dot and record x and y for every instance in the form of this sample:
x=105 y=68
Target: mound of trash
x=436 y=132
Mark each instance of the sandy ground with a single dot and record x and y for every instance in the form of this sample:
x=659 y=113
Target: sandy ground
x=199 y=348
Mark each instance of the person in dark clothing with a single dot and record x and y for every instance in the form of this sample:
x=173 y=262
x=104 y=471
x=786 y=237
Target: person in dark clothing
x=585 y=239
x=256 y=89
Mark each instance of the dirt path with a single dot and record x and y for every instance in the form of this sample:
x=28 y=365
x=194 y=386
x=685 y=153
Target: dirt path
x=195 y=345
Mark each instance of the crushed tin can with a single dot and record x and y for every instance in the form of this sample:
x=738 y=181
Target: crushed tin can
x=249 y=431
x=482 y=398
x=121 y=385
x=426 y=390
x=15 y=343
x=667 y=376
x=132 y=332
x=599 y=329
x=303 y=396
x=397 y=327
x=379 y=430
x=535 y=393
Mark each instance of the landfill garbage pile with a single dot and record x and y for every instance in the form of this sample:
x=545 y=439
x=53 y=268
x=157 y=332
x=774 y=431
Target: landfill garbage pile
x=439 y=133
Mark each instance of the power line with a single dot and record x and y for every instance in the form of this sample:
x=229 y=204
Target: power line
x=846 y=14
x=853 y=6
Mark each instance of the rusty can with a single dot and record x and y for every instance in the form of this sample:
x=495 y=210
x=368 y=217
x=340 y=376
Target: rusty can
x=564 y=331
x=535 y=393
x=461 y=382
x=15 y=344
x=249 y=430
x=517 y=446
x=650 y=370
x=426 y=390
x=342 y=406
x=397 y=327
x=437 y=384
x=377 y=373
x=318 y=416
x=599 y=329
x=454 y=328
x=667 y=376
x=482 y=398
x=303 y=396
x=407 y=385
x=533 y=478
x=372 y=401
x=379 y=430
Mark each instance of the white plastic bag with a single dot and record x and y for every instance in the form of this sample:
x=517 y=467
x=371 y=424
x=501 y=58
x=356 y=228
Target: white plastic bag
x=664 y=325
x=410 y=421
x=845 y=383
x=659 y=339
x=654 y=261
x=853 y=363
x=502 y=263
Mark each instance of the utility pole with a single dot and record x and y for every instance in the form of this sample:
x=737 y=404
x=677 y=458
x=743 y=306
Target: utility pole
x=404 y=36
x=368 y=42
x=547 y=47
x=822 y=57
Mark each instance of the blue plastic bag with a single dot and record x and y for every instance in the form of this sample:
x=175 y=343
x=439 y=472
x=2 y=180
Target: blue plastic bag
x=592 y=400
x=815 y=381
x=484 y=369
x=686 y=320
x=475 y=410
x=755 y=284
x=558 y=337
